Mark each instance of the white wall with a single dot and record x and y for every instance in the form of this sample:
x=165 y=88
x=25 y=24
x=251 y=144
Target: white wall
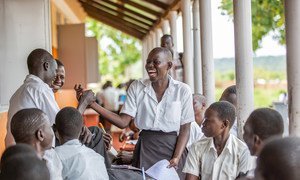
x=24 y=26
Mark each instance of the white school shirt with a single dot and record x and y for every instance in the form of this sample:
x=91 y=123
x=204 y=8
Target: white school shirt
x=174 y=109
x=195 y=134
x=33 y=93
x=53 y=164
x=80 y=162
x=203 y=160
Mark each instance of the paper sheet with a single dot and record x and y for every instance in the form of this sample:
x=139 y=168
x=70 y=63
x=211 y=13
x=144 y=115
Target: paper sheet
x=160 y=171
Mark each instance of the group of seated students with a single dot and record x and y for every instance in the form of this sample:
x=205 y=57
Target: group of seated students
x=45 y=142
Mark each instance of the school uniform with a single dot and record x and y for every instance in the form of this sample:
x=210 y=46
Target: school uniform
x=203 y=160
x=159 y=122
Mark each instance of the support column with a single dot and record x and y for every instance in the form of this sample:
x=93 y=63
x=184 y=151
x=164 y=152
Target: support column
x=149 y=44
x=158 y=35
x=144 y=56
x=173 y=29
x=208 y=76
x=243 y=61
x=165 y=26
x=197 y=48
x=292 y=20
x=187 y=44
x=153 y=39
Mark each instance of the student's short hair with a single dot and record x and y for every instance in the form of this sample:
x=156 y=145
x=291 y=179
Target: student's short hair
x=165 y=51
x=36 y=57
x=16 y=150
x=69 y=122
x=280 y=159
x=25 y=123
x=266 y=122
x=166 y=36
x=231 y=89
x=59 y=63
x=225 y=110
x=24 y=167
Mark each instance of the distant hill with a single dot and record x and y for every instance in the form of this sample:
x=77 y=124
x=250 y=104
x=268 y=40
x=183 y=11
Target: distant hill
x=270 y=63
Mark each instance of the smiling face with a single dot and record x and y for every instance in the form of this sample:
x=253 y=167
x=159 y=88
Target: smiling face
x=60 y=79
x=212 y=125
x=158 y=63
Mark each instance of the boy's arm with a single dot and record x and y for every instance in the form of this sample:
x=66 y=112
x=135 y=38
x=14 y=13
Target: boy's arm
x=191 y=177
x=184 y=134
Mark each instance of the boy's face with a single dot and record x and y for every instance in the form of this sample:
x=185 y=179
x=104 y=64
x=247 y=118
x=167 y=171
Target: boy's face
x=212 y=125
x=157 y=65
x=167 y=43
x=59 y=79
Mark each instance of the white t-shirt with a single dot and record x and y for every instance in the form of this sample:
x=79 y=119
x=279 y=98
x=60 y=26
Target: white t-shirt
x=174 y=109
x=195 y=134
x=53 y=164
x=203 y=160
x=80 y=162
x=33 y=93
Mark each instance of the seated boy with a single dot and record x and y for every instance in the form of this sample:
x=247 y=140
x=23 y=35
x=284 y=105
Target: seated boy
x=220 y=155
x=262 y=124
x=279 y=159
x=31 y=126
x=79 y=161
x=21 y=162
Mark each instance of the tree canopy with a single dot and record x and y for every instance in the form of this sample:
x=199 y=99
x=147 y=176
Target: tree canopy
x=267 y=16
x=117 y=50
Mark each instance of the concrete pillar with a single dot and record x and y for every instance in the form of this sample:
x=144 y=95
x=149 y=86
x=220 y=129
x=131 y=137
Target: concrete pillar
x=292 y=19
x=158 y=35
x=208 y=78
x=149 y=44
x=24 y=26
x=153 y=39
x=173 y=28
x=165 y=26
x=187 y=44
x=243 y=61
x=197 y=48
x=144 y=56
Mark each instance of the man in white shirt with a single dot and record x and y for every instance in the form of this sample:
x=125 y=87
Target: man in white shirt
x=220 y=155
x=31 y=126
x=199 y=105
x=79 y=162
x=262 y=124
x=36 y=91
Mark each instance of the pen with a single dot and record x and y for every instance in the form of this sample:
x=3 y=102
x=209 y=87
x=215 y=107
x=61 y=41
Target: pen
x=101 y=126
x=143 y=170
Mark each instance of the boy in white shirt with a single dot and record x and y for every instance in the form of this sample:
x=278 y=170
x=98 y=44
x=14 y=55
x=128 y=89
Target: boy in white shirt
x=220 y=155
x=79 y=161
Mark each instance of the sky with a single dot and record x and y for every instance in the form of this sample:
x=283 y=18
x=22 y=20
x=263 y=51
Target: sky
x=223 y=37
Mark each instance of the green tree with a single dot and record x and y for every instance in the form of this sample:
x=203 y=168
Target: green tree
x=117 y=50
x=267 y=16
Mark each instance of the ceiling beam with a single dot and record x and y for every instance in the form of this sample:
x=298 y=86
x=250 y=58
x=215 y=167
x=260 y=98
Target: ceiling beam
x=158 y=4
x=171 y=7
x=105 y=8
x=143 y=8
x=142 y=16
x=116 y=25
x=88 y=7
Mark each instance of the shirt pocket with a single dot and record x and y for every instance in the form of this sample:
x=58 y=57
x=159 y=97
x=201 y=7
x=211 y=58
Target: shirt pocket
x=173 y=112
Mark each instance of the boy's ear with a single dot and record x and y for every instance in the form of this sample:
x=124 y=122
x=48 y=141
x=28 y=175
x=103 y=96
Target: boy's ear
x=40 y=135
x=256 y=139
x=226 y=123
x=170 y=64
x=46 y=66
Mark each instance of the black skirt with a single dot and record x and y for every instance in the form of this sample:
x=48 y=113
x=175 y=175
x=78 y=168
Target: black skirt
x=154 y=146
